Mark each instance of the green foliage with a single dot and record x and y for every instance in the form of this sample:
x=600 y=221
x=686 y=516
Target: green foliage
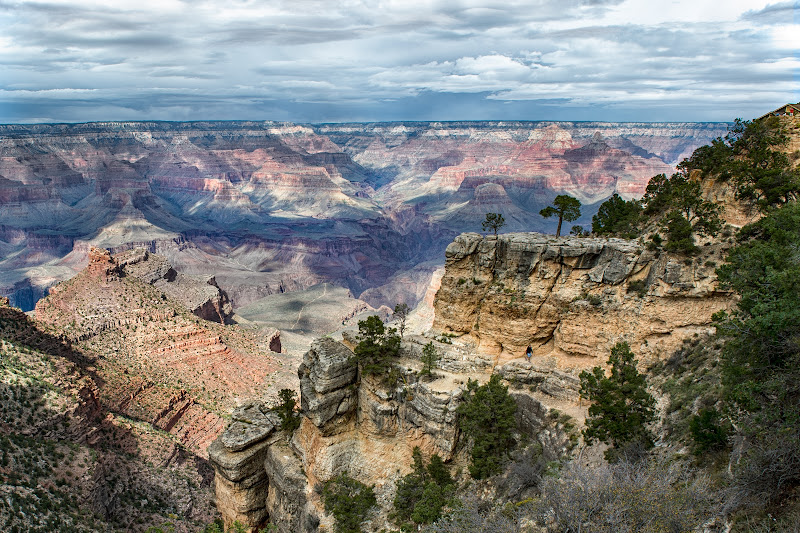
x=639 y=287
x=750 y=156
x=578 y=231
x=349 y=501
x=494 y=221
x=617 y=217
x=430 y=355
x=377 y=346
x=680 y=235
x=565 y=207
x=707 y=432
x=487 y=416
x=678 y=202
x=422 y=494
x=761 y=356
x=692 y=382
x=401 y=312
x=289 y=419
x=621 y=406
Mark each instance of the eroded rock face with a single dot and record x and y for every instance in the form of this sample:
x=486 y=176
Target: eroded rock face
x=572 y=299
x=238 y=456
x=328 y=384
x=200 y=294
x=364 y=203
x=346 y=425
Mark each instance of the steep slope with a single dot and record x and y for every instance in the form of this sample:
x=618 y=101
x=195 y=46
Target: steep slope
x=67 y=462
x=158 y=362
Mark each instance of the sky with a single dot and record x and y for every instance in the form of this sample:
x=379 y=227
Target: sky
x=396 y=60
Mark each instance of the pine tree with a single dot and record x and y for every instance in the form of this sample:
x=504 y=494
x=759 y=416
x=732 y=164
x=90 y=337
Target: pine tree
x=621 y=406
x=377 y=346
x=565 y=207
x=487 y=416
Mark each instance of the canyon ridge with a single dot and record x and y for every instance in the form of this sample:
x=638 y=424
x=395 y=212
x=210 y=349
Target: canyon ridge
x=274 y=208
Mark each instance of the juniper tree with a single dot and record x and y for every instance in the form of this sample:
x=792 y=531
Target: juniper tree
x=487 y=416
x=565 y=207
x=621 y=406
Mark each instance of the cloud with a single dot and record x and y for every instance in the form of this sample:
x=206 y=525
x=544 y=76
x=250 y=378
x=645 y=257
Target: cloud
x=314 y=60
x=781 y=13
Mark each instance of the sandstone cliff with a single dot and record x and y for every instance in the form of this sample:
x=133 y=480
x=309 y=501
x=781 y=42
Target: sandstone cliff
x=346 y=425
x=571 y=299
x=353 y=424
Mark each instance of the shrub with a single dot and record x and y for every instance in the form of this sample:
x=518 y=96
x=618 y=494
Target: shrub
x=621 y=406
x=422 y=494
x=349 y=501
x=707 y=432
x=472 y=515
x=289 y=419
x=638 y=286
x=645 y=497
x=487 y=417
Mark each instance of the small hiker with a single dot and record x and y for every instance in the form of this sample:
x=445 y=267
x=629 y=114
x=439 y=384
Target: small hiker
x=529 y=353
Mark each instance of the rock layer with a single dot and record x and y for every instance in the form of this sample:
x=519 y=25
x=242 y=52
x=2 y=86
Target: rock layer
x=571 y=299
x=346 y=425
x=277 y=207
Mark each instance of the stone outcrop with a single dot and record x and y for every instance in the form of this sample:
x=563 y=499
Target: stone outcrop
x=238 y=456
x=200 y=295
x=327 y=384
x=346 y=425
x=572 y=299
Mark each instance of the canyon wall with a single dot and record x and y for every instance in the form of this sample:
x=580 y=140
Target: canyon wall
x=275 y=207
x=347 y=424
x=158 y=360
x=571 y=299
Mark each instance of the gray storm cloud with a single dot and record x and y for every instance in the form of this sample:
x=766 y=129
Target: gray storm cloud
x=395 y=60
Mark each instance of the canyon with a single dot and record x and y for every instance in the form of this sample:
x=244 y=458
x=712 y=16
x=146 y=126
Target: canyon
x=161 y=259
x=271 y=208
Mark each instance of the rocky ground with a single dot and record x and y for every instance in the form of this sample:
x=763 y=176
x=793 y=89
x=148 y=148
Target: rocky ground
x=67 y=463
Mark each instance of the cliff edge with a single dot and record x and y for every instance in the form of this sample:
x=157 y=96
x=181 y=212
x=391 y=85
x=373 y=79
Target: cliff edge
x=572 y=298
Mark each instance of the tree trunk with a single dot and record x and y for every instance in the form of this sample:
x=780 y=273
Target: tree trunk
x=558 y=230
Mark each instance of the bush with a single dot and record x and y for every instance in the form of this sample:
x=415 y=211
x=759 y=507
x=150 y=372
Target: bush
x=621 y=406
x=475 y=516
x=349 y=501
x=638 y=286
x=487 y=417
x=289 y=418
x=707 y=432
x=422 y=494
x=642 y=497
